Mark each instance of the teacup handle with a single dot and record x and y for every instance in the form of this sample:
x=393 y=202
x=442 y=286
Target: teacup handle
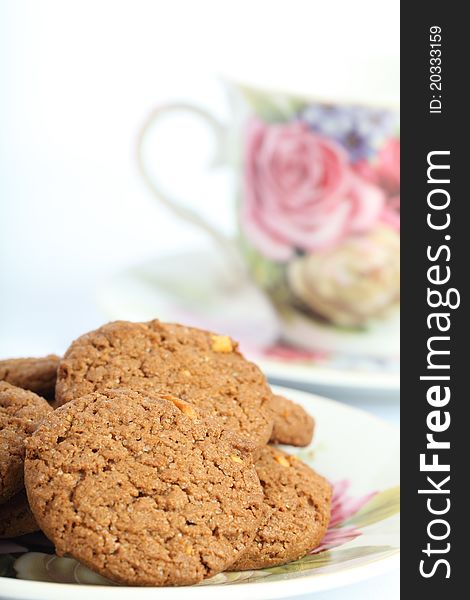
x=183 y=212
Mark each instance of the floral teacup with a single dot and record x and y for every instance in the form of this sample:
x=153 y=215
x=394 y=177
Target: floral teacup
x=318 y=206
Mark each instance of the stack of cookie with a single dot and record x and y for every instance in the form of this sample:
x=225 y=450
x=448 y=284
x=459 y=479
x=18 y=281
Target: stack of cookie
x=24 y=385
x=157 y=465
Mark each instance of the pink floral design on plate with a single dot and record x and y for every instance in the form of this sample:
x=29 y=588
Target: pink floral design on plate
x=286 y=352
x=343 y=507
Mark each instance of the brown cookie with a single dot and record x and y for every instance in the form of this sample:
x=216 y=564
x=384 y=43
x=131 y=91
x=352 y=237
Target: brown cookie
x=198 y=366
x=16 y=517
x=292 y=423
x=20 y=413
x=297 y=511
x=140 y=489
x=35 y=374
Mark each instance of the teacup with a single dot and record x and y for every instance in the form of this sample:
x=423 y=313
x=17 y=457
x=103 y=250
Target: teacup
x=318 y=212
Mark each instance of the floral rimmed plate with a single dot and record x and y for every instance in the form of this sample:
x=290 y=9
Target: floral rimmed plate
x=356 y=451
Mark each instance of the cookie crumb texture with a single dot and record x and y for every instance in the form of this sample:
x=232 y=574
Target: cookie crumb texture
x=297 y=504
x=20 y=413
x=292 y=423
x=195 y=365
x=16 y=517
x=35 y=374
x=128 y=484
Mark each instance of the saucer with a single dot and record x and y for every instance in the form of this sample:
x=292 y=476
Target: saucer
x=195 y=288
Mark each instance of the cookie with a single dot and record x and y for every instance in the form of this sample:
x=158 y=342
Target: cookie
x=292 y=423
x=297 y=511
x=35 y=374
x=140 y=489
x=195 y=365
x=16 y=517
x=20 y=413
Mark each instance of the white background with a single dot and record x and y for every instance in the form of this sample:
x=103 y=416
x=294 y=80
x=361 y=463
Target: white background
x=77 y=79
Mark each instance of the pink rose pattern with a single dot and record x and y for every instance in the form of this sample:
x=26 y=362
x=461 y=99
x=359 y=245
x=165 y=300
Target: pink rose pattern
x=304 y=192
x=385 y=173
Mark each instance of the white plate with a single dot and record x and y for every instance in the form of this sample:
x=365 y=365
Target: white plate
x=356 y=451
x=195 y=288
x=336 y=375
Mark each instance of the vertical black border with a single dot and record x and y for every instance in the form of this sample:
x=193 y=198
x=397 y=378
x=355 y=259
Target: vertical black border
x=422 y=132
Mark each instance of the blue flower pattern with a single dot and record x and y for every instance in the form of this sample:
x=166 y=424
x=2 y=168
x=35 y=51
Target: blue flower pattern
x=360 y=130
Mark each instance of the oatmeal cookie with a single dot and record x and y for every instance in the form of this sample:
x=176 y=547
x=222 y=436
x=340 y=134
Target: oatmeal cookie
x=292 y=423
x=136 y=486
x=35 y=374
x=16 y=517
x=297 y=511
x=195 y=365
x=20 y=413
